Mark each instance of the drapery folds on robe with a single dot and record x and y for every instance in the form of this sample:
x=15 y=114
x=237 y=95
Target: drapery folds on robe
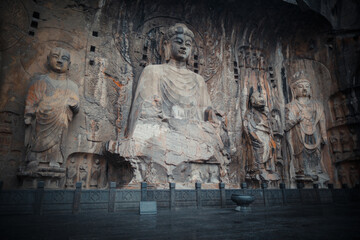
x=50 y=104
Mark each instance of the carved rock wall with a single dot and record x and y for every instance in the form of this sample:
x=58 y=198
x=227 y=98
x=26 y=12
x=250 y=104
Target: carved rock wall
x=240 y=46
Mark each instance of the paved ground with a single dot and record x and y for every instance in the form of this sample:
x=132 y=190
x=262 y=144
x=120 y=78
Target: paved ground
x=309 y=222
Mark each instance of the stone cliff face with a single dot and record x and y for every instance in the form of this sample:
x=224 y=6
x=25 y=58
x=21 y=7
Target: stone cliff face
x=242 y=50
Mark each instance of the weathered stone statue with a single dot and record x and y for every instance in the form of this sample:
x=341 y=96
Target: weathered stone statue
x=71 y=172
x=338 y=110
x=83 y=172
x=342 y=175
x=346 y=141
x=173 y=133
x=51 y=103
x=258 y=128
x=305 y=123
x=95 y=173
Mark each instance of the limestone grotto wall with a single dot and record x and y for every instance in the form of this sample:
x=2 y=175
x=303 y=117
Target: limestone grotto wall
x=244 y=50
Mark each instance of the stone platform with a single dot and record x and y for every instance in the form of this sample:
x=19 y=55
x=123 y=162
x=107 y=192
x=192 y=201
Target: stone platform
x=326 y=221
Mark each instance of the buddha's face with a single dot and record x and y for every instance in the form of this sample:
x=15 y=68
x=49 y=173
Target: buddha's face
x=303 y=89
x=257 y=100
x=59 y=60
x=180 y=47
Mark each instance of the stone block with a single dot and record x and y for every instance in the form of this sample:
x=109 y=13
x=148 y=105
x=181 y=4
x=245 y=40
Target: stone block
x=148 y=207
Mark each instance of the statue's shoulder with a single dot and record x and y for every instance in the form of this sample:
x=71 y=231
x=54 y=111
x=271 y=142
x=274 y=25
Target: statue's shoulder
x=151 y=73
x=153 y=68
x=290 y=105
x=73 y=86
x=199 y=78
x=318 y=104
x=38 y=78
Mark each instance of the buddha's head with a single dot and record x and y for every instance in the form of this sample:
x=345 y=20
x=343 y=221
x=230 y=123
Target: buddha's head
x=300 y=85
x=257 y=100
x=59 y=60
x=178 y=43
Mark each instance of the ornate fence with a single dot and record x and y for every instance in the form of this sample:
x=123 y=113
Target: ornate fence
x=43 y=201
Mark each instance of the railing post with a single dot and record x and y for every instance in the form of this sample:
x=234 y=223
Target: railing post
x=39 y=198
x=316 y=187
x=77 y=198
x=112 y=194
x=198 y=194
x=172 y=195
x=331 y=188
x=143 y=191
x=222 y=194
x=300 y=186
x=264 y=187
x=282 y=187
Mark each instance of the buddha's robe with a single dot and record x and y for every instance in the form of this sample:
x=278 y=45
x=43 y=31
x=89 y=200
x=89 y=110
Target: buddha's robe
x=167 y=92
x=51 y=105
x=306 y=135
x=167 y=127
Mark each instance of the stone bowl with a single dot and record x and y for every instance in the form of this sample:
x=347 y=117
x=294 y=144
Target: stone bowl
x=242 y=201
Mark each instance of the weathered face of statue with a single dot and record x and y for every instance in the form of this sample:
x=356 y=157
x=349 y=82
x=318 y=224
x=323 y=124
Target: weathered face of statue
x=59 y=60
x=180 y=49
x=257 y=100
x=248 y=58
x=302 y=89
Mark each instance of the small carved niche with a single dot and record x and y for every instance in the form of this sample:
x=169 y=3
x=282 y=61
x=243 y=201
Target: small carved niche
x=36 y=15
x=34 y=24
x=90 y=169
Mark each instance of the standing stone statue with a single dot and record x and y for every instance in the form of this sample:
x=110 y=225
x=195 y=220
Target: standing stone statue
x=83 y=173
x=71 y=172
x=173 y=133
x=258 y=128
x=51 y=103
x=95 y=173
x=305 y=123
x=342 y=175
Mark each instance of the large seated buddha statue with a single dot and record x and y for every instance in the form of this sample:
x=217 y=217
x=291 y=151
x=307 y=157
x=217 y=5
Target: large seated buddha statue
x=173 y=134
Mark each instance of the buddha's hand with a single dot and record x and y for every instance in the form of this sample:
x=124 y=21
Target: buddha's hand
x=73 y=104
x=300 y=117
x=324 y=140
x=211 y=117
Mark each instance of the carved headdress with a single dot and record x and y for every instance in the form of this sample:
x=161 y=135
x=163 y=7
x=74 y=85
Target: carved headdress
x=299 y=77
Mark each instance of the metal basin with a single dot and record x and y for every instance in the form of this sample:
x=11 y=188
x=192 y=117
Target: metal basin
x=242 y=201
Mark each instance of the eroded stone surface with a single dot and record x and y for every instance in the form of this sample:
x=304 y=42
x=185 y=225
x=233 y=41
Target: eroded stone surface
x=236 y=46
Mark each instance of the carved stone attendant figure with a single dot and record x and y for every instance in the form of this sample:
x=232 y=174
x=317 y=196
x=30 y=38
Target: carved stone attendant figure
x=71 y=172
x=95 y=173
x=257 y=125
x=338 y=110
x=354 y=135
x=172 y=128
x=346 y=141
x=305 y=122
x=336 y=145
x=51 y=103
x=83 y=173
x=342 y=175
